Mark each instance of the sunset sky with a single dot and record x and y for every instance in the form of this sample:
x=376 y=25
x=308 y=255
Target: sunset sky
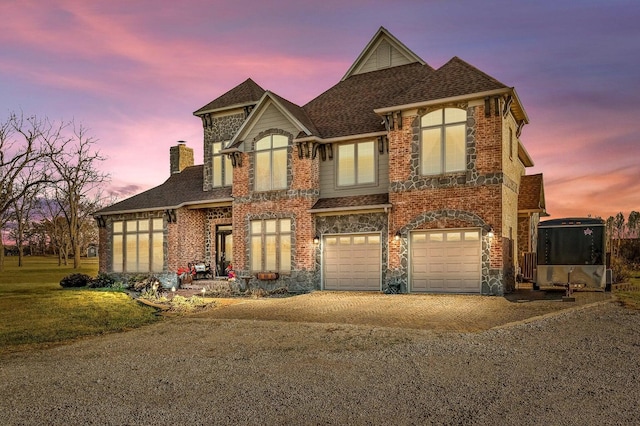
x=133 y=72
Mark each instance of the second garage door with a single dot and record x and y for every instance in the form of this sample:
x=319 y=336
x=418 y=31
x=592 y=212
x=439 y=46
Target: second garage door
x=446 y=261
x=352 y=262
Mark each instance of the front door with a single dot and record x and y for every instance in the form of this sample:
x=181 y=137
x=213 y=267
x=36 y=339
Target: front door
x=224 y=249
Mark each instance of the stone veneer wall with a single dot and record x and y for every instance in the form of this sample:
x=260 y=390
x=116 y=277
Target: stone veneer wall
x=218 y=129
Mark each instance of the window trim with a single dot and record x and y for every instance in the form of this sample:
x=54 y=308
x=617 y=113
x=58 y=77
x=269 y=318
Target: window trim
x=443 y=142
x=356 y=158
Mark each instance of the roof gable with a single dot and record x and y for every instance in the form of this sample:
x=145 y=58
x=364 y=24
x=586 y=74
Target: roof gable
x=382 y=51
x=291 y=112
x=246 y=93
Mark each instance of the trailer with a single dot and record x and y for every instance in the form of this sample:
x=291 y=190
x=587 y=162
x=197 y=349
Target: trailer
x=571 y=254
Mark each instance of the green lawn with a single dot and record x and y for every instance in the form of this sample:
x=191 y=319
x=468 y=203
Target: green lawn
x=36 y=312
x=631 y=299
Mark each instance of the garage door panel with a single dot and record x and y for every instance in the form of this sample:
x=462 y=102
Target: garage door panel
x=435 y=268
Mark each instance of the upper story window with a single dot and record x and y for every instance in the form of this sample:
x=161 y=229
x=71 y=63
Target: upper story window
x=221 y=168
x=271 y=163
x=138 y=245
x=356 y=164
x=443 y=141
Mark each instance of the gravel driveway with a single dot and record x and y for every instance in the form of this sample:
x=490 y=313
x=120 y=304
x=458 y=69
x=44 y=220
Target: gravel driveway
x=576 y=366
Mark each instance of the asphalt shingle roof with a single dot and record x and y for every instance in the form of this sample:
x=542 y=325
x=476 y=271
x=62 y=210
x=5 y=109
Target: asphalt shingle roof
x=181 y=188
x=347 y=108
x=246 y=92
x=353 y=201
x=531 y=196
x=454 y=78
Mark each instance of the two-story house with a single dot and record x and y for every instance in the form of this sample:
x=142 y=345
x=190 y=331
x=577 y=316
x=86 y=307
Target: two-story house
x=399 y=177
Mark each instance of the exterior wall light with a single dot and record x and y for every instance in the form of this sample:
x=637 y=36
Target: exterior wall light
x=489 y=229
x=316 y=240
x=397 y=236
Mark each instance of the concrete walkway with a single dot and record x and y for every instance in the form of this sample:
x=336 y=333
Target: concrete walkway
x=438 y=312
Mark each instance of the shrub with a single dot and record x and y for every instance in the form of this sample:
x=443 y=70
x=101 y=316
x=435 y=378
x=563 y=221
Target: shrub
x=142 y=283
x=102 y=280
x=620 y=269
x=75 y=280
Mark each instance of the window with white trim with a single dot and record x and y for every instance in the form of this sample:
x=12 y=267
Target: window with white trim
x=443 y=141
x=221 y=169
x=271 y=245
x=271 y=163
x=138 y=245
x=356 y=164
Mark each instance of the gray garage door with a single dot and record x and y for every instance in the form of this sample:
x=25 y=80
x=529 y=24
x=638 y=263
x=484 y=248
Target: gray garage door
x=446 y=261
x=352 y=262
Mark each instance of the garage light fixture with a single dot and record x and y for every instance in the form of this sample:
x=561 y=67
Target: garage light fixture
x=316 y=240
x=397 y=236
x=489 y=229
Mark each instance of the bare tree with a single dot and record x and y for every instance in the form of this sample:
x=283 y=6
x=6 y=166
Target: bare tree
x=78 y=180
x=633 y=224
x=22 y=214
x=55 y=227
x=4 y=219
x=22 y=159
x=619 y=226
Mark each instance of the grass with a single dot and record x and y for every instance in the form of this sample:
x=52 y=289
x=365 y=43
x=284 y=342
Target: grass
x=631 y=299
x=36 y=312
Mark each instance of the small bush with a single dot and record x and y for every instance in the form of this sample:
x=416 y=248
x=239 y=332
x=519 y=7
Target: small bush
x=145 y=282
x=102 y=281
x=620 y=269
x=75 y=280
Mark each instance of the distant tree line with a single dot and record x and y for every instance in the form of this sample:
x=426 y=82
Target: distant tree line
x=623 y=243
x=50 y=184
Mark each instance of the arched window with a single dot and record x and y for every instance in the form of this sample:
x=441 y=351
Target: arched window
x=271 y=163
x=443 y=141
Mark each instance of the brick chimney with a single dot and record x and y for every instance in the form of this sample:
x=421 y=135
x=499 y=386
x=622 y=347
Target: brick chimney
x=180 y=157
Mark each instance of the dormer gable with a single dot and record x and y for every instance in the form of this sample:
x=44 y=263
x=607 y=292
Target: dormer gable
x=382 y=51
x=273 y=110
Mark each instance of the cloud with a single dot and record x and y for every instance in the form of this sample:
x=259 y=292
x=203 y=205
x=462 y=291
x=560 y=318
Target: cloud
x=603 y=193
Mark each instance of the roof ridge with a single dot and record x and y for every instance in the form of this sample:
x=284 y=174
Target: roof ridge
x=457 y=60
x=247 y=91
